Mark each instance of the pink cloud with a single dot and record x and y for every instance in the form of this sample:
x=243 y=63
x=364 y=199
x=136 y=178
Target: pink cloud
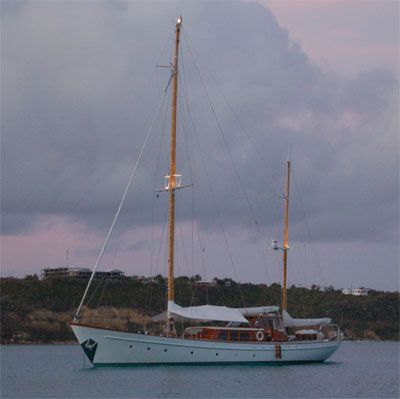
x=46 y=247
x=346 y=36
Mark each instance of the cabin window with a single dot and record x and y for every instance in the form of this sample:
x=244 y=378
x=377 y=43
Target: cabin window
x=223 y=336
x=278 y=324
x=234 y=336
x=244 y=336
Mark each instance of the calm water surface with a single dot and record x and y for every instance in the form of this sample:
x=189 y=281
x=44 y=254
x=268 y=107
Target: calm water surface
x=356 y=370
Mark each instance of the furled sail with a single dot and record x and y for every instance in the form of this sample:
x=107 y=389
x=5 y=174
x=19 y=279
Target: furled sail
x=290 y=322
x=259 y=310
x=205 y=313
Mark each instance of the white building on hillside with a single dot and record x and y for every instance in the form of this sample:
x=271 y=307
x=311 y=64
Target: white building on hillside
x=206 y=283
x=356 y=291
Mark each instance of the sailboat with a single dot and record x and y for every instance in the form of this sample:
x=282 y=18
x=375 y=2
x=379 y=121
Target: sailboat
x=265 y=334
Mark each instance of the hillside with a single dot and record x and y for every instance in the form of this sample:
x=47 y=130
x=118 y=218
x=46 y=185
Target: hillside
x=40 y=311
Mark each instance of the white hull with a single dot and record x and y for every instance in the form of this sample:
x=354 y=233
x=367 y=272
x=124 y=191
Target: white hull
x=109 y=347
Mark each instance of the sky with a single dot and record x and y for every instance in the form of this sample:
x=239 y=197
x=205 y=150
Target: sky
x=260 y=81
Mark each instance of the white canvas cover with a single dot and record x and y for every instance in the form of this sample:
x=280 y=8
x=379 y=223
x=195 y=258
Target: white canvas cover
x=205 y=313
x=259 y=310
x=290 y=322
x=160 y=318
x=307 y=332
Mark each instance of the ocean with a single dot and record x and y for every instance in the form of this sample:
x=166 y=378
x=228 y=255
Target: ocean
x=356 y=370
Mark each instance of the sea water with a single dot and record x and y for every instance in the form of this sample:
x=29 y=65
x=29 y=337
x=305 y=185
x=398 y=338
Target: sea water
x=356 y=370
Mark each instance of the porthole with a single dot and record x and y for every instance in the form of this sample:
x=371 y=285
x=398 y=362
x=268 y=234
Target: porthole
x=254 y=355
x=148 y=349
x=191 y=353
x=130 y=346
x=216 y=354
x=165 y=350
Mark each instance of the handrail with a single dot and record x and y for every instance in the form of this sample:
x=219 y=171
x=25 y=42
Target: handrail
x=339 y=334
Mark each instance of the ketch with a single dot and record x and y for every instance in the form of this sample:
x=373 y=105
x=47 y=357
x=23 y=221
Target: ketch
x=265 y=334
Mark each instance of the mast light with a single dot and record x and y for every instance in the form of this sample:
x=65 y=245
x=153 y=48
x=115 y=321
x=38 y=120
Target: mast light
x=179 y=21
x=276 y=247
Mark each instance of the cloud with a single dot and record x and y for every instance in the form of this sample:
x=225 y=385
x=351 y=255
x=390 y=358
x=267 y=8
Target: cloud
x=79 y=89
x=347 y=37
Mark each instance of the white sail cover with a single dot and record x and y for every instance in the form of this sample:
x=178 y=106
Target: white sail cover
x=307 y=332
x=205 y=313
x=259 y=310
x=290 y=322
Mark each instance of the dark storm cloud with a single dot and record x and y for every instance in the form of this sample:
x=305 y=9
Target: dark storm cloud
x=79 y=89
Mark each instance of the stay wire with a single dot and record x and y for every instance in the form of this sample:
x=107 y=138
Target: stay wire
x=260 y=155
x=308 y=230
x=183 y=101
x=94 y=292
x=258 y=230
x=157 y=168
x=233 y=163
x=202 y=250
x=187 y=124
x=105 y=284
x=219 y=216
x=118 y=210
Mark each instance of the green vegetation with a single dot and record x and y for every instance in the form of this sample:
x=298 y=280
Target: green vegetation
x=40 y=311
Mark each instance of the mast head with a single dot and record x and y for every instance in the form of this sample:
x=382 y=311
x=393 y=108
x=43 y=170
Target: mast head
x=179 y=21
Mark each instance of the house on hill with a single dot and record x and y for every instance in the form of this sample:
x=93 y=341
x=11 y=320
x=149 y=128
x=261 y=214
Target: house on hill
x=80 y=273
x=356 y=291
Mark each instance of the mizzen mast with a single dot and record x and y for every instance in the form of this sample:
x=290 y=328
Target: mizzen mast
x=285 y=243
x=285 y=247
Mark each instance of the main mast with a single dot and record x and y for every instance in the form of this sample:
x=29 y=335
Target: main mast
x=172 y=176
x=285 y=244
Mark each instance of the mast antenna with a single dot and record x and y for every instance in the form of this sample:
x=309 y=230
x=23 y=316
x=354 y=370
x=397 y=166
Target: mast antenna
x=290 y=153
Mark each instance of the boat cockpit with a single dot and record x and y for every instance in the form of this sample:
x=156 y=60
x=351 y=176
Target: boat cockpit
x=265 y=328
